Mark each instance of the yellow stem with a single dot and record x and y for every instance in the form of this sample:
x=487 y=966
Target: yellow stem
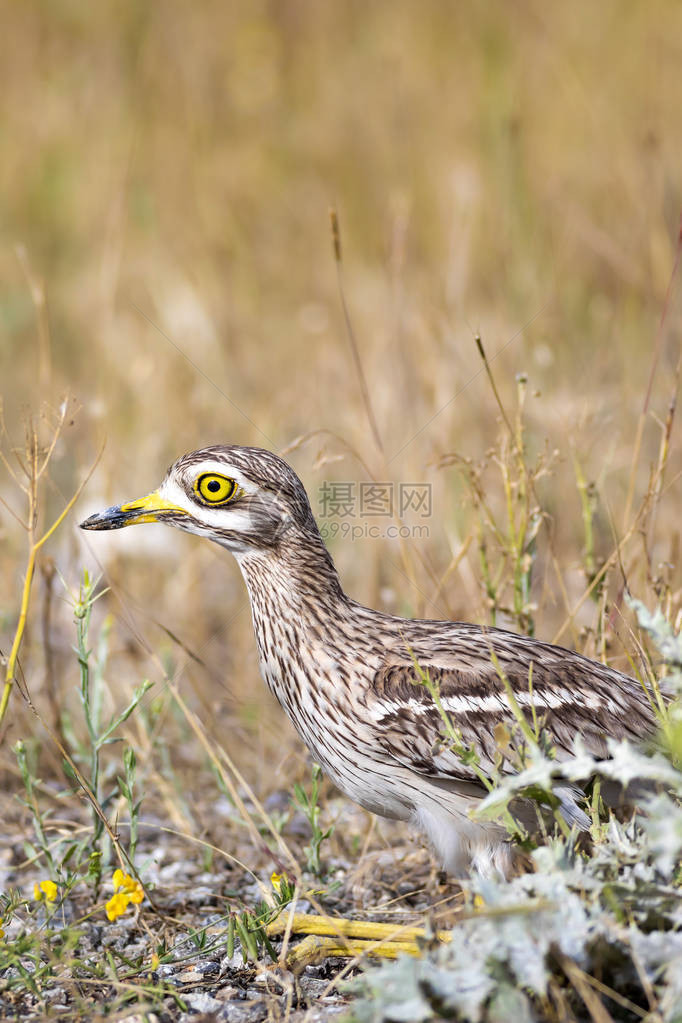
x=337 y=927
x=18 y=635
x=314 y=949
x=26 y=592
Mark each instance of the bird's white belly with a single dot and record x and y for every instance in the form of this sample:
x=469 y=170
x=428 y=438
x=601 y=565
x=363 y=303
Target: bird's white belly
x=339 y=743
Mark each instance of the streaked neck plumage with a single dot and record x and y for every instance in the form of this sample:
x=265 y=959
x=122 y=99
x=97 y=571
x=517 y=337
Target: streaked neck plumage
x=296 y=602
x=298 y=572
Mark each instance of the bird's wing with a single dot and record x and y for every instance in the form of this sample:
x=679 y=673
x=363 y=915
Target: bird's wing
x=570 y=694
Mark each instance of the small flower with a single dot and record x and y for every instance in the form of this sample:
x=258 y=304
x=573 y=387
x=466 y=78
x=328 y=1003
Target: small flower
x=127 y=884
x=136 y=896
x=2 y=929
x=276 y=882
x=117 y=905
x=45 y=890
x=126 y=890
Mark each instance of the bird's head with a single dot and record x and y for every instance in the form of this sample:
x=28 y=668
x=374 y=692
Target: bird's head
x=246 y=499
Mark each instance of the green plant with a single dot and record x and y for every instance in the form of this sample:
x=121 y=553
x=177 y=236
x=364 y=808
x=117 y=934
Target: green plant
x=513 y=531
x=31 y=783
x=100 y=734
x=71 y=859
x=251 y=926
x=126 y=787
x=308 y=805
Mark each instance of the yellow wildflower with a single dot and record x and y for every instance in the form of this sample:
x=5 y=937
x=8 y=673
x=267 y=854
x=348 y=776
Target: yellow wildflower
x=117 y=905
x=127 y=884
x=276 y=882
x=45 y=890
x=2 y=929
x=137 y=894
x=119 y=879
x=126 y=890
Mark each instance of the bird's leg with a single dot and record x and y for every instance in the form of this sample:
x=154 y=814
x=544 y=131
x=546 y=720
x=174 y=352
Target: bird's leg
x=335 y=936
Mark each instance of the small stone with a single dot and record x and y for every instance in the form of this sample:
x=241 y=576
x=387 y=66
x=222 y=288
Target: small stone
x=233 y=962
x=315 y=970
x=313 y=987
x=236 y=1012
x=273 y=978
x=207 y=968
x=255 y=994
x=406 y=888
x=52 y=993
x=212 y=880
x=172 y=870
x=200 y=1001
x=138 y=1018
x=188 y=977
x=229 y=993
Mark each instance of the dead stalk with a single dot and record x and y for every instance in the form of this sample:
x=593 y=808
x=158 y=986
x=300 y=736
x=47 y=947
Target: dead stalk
x=34 y=466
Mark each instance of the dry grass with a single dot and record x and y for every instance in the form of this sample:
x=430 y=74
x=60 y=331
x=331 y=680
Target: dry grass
x=167 y=264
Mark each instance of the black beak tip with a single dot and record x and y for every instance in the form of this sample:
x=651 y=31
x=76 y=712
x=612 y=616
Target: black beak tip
x=112 y=518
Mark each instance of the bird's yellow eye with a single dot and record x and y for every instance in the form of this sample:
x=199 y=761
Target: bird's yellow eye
x=213 y=488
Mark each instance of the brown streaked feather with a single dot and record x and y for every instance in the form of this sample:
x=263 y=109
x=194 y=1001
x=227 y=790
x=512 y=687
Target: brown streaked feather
x=571 y=696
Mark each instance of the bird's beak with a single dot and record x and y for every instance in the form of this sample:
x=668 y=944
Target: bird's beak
x=152 y=508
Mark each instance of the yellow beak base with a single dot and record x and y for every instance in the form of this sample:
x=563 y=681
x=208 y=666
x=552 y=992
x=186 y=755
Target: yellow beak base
x=152 y=508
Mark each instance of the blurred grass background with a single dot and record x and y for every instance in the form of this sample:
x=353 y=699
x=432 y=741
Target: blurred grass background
x=167 y=171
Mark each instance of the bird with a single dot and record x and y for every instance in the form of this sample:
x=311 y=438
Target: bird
x=350 y=678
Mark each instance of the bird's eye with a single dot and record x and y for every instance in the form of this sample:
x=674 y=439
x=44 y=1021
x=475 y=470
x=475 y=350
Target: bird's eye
x=213 y=488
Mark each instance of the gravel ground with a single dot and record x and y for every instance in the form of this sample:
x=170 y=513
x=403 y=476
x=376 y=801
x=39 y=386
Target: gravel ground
x=197 y=979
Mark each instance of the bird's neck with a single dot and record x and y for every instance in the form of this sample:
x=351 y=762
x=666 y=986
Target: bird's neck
x=295 y=580
x=299 y=611
x=296 y=605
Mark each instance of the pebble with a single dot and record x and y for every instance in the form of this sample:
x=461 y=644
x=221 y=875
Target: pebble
x=190 y=976
x=313 y=987
x=233 y=962
x=234 y=1012
x=200 y=1001
x=209 y=968
x=229 y=993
